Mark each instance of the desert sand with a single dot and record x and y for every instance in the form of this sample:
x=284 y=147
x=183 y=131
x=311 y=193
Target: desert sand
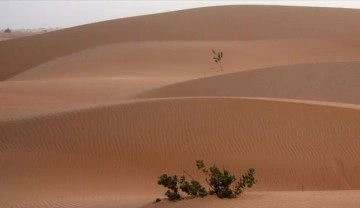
x=90 y=116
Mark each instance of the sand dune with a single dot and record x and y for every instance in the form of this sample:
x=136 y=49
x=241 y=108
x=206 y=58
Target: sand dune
x=328 y=82
x=120 y=71
x=334 y=82
x=90 y=116
x=91 y=152
x=187 y=59
x=213 y=23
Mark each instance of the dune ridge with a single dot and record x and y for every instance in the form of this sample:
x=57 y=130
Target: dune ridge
x=331 y=81
x=56 y=107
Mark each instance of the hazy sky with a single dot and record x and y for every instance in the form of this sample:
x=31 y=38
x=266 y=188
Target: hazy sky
x=18 y=14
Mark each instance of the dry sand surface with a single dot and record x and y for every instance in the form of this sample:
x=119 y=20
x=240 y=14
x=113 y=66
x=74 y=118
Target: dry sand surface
x=329 y=199
x=90 y=116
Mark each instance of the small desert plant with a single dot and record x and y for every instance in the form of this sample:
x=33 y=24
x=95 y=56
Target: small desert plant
x=218 y=57
x=7 y=30
x=221 y=182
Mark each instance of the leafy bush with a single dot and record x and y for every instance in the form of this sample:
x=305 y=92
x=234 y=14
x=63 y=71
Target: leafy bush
x=7 y=30
x=218 y=57
x=219 y=181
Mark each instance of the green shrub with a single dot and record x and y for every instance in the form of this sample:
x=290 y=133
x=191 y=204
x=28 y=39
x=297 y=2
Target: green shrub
x=221 y=183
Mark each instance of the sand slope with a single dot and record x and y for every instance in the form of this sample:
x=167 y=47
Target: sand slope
x=335 y=82
x=319 y=199
x=119 y=71
x=20 y=99
x=327 y=82
x=328 y=199
x=187 y=59
x=213 y=23
x=91 y=152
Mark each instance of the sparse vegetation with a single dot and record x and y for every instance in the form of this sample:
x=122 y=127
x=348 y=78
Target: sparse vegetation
x=217 y=58
x=7 y=30
x=221 y=182
x=171 y=183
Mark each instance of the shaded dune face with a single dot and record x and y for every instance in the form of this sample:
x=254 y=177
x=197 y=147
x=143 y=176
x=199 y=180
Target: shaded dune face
x=334 y=82
x=215 y=23
x=118 y=148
